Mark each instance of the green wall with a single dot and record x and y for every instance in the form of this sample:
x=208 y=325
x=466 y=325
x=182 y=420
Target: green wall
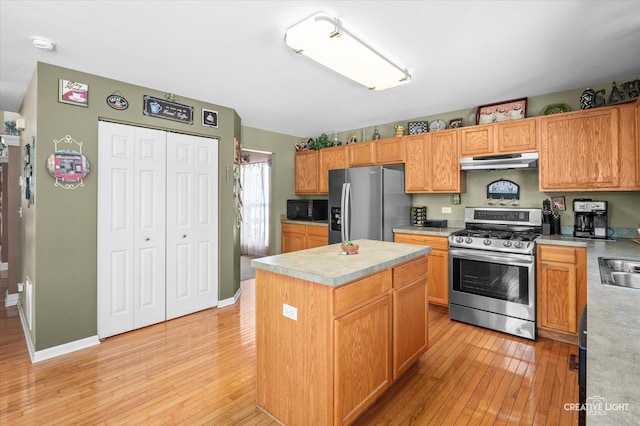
x=60 y=231
x=282 y=172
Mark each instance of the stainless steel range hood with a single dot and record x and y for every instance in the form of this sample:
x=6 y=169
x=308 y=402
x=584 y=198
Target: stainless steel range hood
x=526 y=160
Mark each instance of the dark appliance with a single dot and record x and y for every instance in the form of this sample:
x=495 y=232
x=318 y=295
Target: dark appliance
x=582 y=368
x=367 y=202
x=590 y=219
x=492 y=267
x=307 y=209
x=435 y=223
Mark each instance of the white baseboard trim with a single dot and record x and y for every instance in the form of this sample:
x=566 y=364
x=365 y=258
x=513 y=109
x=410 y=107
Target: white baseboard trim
x=4 y=266
x=231 y=300
x=66 y=348
x=11 y=299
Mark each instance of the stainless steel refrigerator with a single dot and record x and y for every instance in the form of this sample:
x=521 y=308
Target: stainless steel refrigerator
x=367 y=203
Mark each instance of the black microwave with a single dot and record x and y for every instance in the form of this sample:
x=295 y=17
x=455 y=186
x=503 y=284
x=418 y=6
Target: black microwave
x=307 y=209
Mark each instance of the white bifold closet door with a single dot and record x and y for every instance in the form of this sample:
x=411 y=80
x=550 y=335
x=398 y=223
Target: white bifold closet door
x=157 y=226
x=131 y=228
x=192 y=224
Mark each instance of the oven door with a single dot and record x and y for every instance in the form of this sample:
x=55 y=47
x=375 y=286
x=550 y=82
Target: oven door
x=502 y=283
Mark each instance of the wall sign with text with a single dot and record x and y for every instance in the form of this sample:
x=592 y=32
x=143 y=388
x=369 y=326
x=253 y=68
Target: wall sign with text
x=168 y=110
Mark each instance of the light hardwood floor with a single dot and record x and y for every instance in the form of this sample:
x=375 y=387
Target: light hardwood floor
x=200 y=369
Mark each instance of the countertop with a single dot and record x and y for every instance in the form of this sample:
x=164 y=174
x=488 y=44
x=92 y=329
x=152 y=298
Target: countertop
x=325 y=265
x=613 y=340
x=424 y=230
x=324 y=223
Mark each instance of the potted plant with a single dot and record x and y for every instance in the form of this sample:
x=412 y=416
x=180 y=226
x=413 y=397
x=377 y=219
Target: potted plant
x=350 y=247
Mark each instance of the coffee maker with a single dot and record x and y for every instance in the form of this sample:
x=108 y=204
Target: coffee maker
x=590 y=219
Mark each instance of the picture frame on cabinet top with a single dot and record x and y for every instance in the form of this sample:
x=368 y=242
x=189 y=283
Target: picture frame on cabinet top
x=514 y=109
x=455 y=123
x=417 y=127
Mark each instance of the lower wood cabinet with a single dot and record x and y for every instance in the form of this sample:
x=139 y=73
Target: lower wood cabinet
x=562 y=290
x=296 y=237
x=438 y=277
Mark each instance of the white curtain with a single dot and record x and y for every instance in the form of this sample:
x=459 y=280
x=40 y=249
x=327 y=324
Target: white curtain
x=254 y=237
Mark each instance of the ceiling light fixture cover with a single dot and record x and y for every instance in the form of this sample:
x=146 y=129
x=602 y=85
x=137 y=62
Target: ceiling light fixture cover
x=326 y=41
x=42 y=43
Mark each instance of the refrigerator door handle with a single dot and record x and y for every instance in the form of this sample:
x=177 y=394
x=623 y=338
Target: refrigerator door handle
x=342 y=212
x=347 y=204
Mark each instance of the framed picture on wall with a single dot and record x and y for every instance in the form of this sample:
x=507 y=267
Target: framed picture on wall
x=74 y=93
x=514 y=109
x=209 y=118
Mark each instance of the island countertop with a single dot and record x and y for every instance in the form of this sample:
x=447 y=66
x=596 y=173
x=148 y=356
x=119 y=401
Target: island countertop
x=325 y=265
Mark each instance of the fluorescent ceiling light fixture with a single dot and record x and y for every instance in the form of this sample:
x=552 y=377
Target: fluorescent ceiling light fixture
x=325 y=40
x=42 y=43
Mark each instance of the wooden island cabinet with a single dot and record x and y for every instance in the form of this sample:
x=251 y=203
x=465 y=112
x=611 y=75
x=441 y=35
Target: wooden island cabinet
x=333 y=332
x=301 y=236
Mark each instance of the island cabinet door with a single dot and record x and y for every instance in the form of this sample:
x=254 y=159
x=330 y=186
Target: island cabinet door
x=410 y=307
x=362 y=358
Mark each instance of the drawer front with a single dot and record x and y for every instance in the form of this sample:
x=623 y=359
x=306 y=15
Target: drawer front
x=350 y=296
x=409 y=272
x=320 y=231
x=437 y=243
x=294 y=228
x=557 y=254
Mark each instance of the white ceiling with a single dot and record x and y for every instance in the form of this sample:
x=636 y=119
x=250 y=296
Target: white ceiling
x=460 y=54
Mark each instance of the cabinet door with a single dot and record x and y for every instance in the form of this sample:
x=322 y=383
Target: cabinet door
x=409 y=325
x=389 y=151
x=638 y=141
x=557 y=296
x=579 y=151
x=362 y=154
x=293 y=237
x=444 y=162
x=362 y=358
x=438 y=275
x=306 y=172
x=629 y=147
x=317 y=236
x=330 y=158
x=416 y=164
x=516 y=136
x=476 y=140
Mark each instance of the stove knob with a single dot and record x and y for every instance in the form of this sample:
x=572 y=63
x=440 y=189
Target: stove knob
x=507 y=243
x=518 y=244
x=486 y=242
x=459 y=239
x=468 y=240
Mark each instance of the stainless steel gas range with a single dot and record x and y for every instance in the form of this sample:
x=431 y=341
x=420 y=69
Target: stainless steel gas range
x=492 y=267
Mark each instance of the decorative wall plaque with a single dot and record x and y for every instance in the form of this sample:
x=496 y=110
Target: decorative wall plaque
x=503 y=192
x=168 y=110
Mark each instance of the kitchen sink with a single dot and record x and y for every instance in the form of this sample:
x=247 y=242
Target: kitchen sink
x=620 y=272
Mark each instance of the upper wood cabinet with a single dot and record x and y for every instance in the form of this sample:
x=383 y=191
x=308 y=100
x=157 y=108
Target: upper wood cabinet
x=629 y=147
x=306 y=172
x=362 y=154
x=330 y=158
x=389 y=151
x=499 y=138
x=637 y=138
x=432 y=163
x=580 y=150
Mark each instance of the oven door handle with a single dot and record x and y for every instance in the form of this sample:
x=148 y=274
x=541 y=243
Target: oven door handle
x=506 y=260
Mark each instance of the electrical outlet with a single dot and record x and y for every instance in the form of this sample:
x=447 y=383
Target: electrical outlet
x=446 y=210
x=290 y=312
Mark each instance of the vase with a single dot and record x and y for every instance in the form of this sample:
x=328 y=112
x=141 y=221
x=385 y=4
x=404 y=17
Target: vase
x=587 y=99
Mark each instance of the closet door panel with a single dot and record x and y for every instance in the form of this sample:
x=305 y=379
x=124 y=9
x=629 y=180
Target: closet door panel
x=180 y=217
x=150 y=225
x=115 y=229
x=206 y=222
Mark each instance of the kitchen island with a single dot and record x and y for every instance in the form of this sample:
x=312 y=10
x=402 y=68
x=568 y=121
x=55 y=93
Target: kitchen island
x=334 y=331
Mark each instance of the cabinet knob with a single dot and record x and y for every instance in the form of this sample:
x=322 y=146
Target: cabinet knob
x=184 y=236
x=147 y=239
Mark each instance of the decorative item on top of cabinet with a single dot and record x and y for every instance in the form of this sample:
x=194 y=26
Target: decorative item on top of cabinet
x=588 y=99
x=455 y=123
x=399 y=131
x=514 y=109
x=417 y=127
x=437 y=125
